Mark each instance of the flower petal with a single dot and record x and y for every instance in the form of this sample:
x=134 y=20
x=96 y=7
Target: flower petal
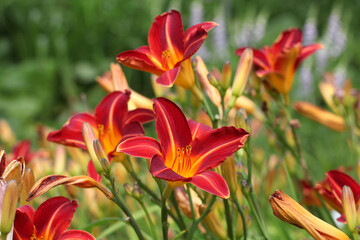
x=159 y=170
x=287 y=39
x=211 y=148
x=144 y=147
x=166 y=34
x=23 y=223
x=46 y=183
x=307 y=51
x=92 y=172
x=211 y=182
x=76 y=235
x=140 y=115
x=132 y=130
x=197 y=128
x=337 y=180
x=53 y=217
x=110 y=116
x=70 y=134
x=168 y=78
x=138 y=59
x=195 y=36
x=172 y=128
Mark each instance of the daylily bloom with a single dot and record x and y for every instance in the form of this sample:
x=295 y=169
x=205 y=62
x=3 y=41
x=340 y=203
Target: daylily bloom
x=111 y=123
x=115 y=80
x=186 y=150
x=169 y=51
x=278 y=63
x=288 y=210
x=331 y=189
x=49 y=222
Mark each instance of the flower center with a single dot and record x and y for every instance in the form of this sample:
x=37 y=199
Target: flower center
x=33 y=237
x=182 y=162
x=101 y=129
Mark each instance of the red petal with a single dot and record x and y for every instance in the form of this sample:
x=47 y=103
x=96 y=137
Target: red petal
x=22 y=149
x=307 y=51
x=144 y=147
x=71 y=133
x=159 y=170
x=54 y=216
x=172 y=128
x=287 y=39
x=211 y=182
x=2 y=162
x=138 y=59
x=197 y=128
x=132 y=130
x=342 y=218
x=140 y=115
x=168 y=78
x=111 y=113
x=212 y=148
x=92 y=172
x=76 y=235
x=23 y=223
x=195 y=36
x=167 y=34
x=260 y=59
x=337 y=180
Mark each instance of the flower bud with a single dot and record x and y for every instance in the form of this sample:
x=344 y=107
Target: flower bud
x=212 y=223
x=28 y=183
x=241 y=120
x=9 y=207
x=89 y=138
x=102 y=156
x=241 y=76
x=348 y=203
x=213 y=81
x=137 y=193
x=128 y=189
x=228 y=171
x=226 y=76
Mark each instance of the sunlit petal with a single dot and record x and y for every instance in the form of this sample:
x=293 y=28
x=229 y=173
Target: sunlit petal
x=212 y=182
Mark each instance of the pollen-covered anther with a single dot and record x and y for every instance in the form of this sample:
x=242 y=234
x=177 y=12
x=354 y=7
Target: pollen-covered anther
x=101 y=129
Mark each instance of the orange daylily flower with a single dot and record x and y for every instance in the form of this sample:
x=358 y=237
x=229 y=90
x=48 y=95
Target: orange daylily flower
x=169 y=51
x=186 y=150
x=50 y=221
x=288 y=210
x=278 y=63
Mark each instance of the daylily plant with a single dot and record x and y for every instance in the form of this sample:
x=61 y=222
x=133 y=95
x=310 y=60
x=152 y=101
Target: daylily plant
x=49 y=222
x=111 y=123
x=278 y=63
x=169 y=51
x=186 y=150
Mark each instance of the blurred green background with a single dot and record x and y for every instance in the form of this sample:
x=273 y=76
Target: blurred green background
x=51 y=51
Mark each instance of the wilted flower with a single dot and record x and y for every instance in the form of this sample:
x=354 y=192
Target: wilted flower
x=288 y=210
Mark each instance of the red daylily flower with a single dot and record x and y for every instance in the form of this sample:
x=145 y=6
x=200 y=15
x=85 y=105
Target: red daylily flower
x=331 y=189
x=49 y=222
x=111 y=123
x=278 y=63
x=169 y=51
x=186 y=150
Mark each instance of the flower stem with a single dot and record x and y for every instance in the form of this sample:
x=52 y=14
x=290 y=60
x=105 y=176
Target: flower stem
x=228 y=219
x=164 y=211
x=150 y=222
x=118 y=201
x=181 y=222
x=241 y=211
x=202 y=216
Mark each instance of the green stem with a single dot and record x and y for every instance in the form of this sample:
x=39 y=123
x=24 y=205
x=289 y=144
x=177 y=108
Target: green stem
x=247 y=149
x=164 y=211
x=181 y=224
x=291 y=183
x=228 y=219
x=193 y=215
x=150 y=222
x=241 y=211
x=118 y=201
x=202 y=216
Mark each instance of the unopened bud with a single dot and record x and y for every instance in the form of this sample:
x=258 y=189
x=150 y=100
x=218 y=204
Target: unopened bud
x=15 y=170
x=241 y=76
x=228 y=171
x=89 y=138
x=348 y=203
x=212 y=80
x=241 y=120
x=128 y=189
x=9 y=207
x=28 y=183
x=226 y=76
x=102 y=156
x=138 y=193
